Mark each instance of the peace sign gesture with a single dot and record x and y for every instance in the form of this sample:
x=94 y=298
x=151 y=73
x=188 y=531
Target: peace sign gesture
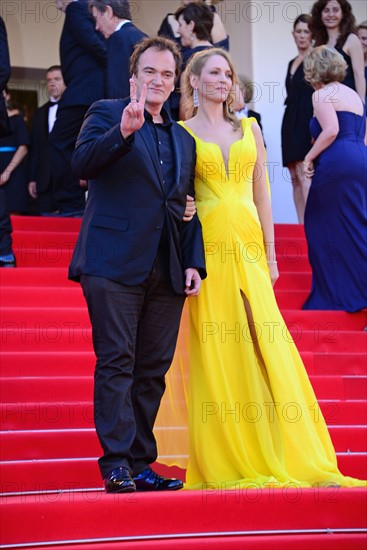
x=133 y=115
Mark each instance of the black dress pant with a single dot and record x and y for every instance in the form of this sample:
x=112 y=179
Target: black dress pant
x=5 y=225
x=134 y=336
x=69 y=196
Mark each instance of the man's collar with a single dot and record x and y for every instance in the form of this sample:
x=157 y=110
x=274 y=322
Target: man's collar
x=167 y=121
x=122 y=23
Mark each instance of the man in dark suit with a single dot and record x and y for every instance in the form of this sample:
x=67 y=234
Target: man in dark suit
x=7 y=258
x=136 y=259
x=40 y=181
x=83 y=60
x=113 y=20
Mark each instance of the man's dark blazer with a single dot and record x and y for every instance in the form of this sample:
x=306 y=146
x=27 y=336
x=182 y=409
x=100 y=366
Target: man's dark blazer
x=120 y=46
x=39 y=155
x=82 y=56
x=127 y=204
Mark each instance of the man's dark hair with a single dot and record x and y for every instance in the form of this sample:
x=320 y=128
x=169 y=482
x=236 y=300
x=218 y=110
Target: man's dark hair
x=203 y=19
x=159 y=43
x=53 y=68
x=120 y=8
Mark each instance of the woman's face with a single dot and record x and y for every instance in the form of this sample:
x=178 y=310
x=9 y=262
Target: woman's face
x=302 y=36
x=215 y=81
x=185 y=31
x=332 y=15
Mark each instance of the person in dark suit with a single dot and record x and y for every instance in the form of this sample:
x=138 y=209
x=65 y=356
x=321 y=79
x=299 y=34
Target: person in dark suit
x=136 y=259
x=83 y=61
x=40 y=181
x=7 y=258
x=113 y=20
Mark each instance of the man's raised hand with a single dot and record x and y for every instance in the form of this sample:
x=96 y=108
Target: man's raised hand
x=133 y=115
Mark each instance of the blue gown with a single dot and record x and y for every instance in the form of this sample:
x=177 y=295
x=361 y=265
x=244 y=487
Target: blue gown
x=336 y=219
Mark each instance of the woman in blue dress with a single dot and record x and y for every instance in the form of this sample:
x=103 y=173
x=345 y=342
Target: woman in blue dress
x=336 y=209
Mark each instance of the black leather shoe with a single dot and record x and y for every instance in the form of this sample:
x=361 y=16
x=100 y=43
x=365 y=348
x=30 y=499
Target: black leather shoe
x=148 y=480
x=13 y=263
x=119 y=480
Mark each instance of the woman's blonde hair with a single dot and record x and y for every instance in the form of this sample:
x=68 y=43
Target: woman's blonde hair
x=324 y=65
x=195 y=67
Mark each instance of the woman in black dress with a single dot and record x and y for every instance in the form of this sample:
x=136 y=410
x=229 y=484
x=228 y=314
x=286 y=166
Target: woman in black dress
x=333 y=24
x=296 y=137
x=13 y=167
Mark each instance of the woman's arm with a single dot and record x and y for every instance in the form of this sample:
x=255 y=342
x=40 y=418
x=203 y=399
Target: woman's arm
x=219 y=32
x=262 y=203
x=17 y=158
x=323 y=104
x=354 y=49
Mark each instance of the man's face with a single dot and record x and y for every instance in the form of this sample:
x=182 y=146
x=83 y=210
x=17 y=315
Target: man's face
x=156 y=69
x=105 y=21
x=55 y=84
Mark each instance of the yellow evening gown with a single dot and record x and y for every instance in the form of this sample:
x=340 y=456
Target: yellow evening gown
x=253 y=417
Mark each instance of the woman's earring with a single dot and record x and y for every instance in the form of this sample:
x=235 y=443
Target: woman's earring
x=196 y=98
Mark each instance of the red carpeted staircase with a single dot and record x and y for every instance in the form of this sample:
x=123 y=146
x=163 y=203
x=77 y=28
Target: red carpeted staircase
x=51 y=494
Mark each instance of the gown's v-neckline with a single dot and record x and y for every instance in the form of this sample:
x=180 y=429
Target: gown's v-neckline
x=226 y=165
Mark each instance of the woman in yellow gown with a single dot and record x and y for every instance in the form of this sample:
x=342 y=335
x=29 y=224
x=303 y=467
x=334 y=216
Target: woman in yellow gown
x=254 y=420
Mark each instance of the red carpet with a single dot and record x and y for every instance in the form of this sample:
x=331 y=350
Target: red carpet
x=50 y=485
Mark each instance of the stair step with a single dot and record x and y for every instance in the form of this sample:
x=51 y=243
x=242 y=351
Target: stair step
x=326 y=538
x=49 y=223
x=68 y=363
x=43 y=415
x=46 y=223
x=342 y=387
x=78 y=473
x=26 y=239
x=64 y=388
x=325 y=320
x=48 y=311
x=292 y=230
x=79 y=443
x=77 y=516
x=50 y=336
x=23 y=240
x=55 y=256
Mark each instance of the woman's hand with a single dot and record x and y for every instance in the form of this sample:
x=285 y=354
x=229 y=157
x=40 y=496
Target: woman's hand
x=274 y=273
x=4 y=177
x=32 y=189
x=190 y=210
x=308 y=168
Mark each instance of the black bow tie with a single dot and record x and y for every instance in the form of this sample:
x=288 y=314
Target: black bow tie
x=53 y=103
